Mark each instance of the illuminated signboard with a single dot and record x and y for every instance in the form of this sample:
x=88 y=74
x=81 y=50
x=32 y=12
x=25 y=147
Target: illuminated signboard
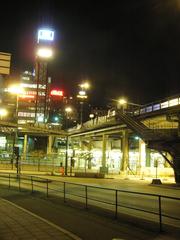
x=57 y=93
x=45 y=34
x=27 y=96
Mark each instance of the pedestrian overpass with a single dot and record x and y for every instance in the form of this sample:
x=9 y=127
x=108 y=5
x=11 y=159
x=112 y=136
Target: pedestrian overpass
x=157 y=124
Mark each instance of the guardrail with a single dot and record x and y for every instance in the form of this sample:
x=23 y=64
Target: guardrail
x=114 y=200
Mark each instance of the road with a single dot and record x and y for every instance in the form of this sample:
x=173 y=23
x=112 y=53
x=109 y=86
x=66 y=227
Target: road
x=102 y=193
x=128 y=202
x=37 y=205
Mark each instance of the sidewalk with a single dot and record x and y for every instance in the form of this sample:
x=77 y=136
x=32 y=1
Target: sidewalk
x=18 y=223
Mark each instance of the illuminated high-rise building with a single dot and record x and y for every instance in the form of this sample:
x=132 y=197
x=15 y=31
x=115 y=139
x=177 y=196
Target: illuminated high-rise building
x=28 y=108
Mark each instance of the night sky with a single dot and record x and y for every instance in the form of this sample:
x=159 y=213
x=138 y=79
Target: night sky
x=125 y=48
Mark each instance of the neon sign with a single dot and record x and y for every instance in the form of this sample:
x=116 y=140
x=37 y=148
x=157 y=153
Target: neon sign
x=45 y=34
x=56 y=92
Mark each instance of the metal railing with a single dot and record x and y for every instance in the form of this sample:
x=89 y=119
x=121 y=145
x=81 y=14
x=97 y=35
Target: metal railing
x=158 y=105
x=155 y=106
x=143 y=205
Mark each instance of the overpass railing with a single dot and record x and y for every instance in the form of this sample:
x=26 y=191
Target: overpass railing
x=144 y=109
x=158 y=105
x=154 y=207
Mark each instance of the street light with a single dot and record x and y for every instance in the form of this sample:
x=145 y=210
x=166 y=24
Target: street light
x=122 y=101
x=68 y=110
x=3 y=113
x=44 y=53
x=91 y=115
x=82 y=95
x=16 y=90
x=84 y=85
x=123 y=104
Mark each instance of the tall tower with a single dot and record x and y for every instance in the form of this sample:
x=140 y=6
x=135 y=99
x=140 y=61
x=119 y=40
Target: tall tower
x=44 y=53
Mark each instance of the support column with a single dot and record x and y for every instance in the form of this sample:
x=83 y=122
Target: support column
x=104 y=140
x=81 y=145
x=125 y=151
x=49 y=144
x=148 y=157
x=25 y=146
x=104 y=168
x=66 y=156
x=176 y=161
x=142 y=157
x=89 y=163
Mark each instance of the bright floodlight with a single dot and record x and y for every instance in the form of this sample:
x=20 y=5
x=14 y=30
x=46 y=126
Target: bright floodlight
x=3 y=112
x=68 y=109
x=45 y=34
x=85 y=85
x=82 y=93
x=44 y=52
x=16 y=89
x=91 y=115
x=122 y=101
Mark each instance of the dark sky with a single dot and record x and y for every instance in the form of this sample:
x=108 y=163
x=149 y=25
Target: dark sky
x=129 y=48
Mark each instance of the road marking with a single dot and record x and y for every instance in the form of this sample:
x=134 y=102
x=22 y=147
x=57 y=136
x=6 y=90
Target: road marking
x=73 y=236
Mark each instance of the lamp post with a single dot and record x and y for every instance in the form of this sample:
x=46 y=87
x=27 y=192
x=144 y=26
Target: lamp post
x=82 y=95
x=16 y=90
x=123 y=104
x=91 y=116
x=68 y=110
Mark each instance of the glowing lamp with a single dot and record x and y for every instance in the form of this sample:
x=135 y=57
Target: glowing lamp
x=3 y=112
x=82 y=93
x=44 y=53
x=16 y=89
x=122 y=101
x=91 y=115
x=68 y=109
x=85 y=85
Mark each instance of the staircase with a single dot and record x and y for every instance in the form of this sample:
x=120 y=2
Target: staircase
x=138 y=127
x=160 y=140
x=142 y=130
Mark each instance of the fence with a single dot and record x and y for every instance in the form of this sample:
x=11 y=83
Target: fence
x=46 y=164
x=157 y=208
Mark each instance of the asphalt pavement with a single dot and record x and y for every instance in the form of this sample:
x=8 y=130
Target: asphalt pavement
x=25 y=216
